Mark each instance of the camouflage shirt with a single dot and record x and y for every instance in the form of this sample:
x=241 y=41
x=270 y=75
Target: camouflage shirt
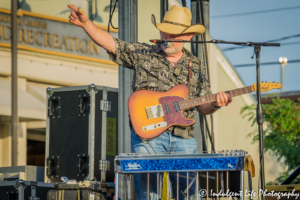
x=153 y=71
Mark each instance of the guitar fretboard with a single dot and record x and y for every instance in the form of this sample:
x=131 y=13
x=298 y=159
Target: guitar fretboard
x=186 y=104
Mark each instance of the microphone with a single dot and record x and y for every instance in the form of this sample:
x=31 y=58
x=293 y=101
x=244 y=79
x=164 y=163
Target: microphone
x=168 y=44
x=162 y=42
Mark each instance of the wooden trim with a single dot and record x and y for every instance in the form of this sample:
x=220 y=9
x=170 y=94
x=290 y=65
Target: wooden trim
x=49 y=17
x=23 y=47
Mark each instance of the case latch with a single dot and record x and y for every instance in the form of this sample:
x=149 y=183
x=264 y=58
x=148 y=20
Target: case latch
x=105 y=105
x=104 y=165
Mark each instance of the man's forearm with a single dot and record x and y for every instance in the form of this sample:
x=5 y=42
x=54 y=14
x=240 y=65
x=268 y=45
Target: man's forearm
x=100 y=37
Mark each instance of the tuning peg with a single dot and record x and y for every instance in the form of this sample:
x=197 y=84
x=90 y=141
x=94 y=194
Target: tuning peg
x=266 y=81
x=273 y=81
x=277 y=82
x=270 y=81
x=262 y=82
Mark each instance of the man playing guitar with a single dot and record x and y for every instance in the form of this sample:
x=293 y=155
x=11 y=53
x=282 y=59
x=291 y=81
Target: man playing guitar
x=159 y=68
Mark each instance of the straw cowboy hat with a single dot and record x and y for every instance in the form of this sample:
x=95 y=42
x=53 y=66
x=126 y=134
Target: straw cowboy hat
x=178 y=21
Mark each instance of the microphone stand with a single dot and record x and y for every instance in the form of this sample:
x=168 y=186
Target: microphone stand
x=259 y=111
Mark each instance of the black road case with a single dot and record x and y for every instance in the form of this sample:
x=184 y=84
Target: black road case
x=24 y=190
x=81 y=133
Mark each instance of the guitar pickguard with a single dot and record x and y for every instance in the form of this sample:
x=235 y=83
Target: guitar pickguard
x=173 y=115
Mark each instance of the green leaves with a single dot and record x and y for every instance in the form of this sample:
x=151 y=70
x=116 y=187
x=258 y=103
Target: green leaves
x=282 y=132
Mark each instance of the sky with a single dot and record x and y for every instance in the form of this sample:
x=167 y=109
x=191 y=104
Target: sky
x=259 y=27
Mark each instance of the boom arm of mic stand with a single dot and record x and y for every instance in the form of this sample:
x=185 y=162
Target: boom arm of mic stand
x=160 y=41
x=259 y=120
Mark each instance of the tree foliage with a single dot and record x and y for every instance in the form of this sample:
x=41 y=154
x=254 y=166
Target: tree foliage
x=282 y=131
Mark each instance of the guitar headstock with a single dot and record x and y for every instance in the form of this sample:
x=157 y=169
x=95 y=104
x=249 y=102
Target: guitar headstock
x=265 y=86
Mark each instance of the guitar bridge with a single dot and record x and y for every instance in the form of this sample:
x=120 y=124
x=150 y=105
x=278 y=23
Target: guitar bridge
x=154 y=111
x=154 y=126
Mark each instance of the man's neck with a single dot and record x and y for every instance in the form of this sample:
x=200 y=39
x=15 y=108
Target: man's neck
x=174 y=59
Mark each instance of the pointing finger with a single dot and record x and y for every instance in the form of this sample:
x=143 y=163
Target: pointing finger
x=73 y=8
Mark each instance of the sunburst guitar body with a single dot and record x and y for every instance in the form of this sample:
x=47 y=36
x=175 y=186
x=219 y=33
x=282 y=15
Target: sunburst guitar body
x=151 y=112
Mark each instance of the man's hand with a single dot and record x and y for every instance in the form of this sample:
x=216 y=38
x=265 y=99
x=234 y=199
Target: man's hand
x=77 y=16
x=99 y=36
x=223 y=99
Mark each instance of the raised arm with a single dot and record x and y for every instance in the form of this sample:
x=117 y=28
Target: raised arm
x=99 y=36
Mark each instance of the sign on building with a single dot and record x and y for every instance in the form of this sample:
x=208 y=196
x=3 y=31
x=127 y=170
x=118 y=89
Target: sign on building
x=51 y=35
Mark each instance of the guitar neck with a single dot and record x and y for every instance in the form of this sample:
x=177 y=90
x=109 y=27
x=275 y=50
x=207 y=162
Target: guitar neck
x=187 y=104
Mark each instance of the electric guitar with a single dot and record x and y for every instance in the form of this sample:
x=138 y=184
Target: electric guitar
x=151 y=113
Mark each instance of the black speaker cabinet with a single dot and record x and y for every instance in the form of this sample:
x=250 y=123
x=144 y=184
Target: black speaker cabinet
x=81 y=133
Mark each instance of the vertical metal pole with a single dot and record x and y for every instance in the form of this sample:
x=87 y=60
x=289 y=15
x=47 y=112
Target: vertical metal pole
x=200 y=14
x=222 y=181
x=187 y=185
x=207 y=186
x=160 y=185
x=148 y=186
x=242 y=185
x=14 y=84
x=259 y=120
x=177 y=191
x=127 y=32
x=197 y=185
x=164 y=5
x=157 y=193
x=91 y=134
x=250 y=185
x=128 y=185
x=103 y=133
x=117 y=186
x=227 y=182
x=90 y=14
x=127 y=10
x=21 y=192
x=282 y=77
x=217 y=184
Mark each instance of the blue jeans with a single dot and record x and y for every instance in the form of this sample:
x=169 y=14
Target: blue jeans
x=164 y=143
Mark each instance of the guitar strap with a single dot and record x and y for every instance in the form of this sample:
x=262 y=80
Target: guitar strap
x=190 y=72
